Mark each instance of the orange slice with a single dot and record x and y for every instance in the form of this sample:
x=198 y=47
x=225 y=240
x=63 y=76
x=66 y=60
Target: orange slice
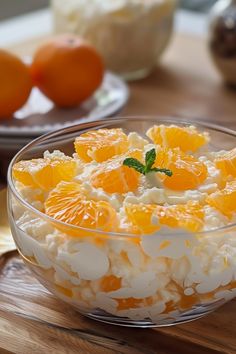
x=147 y=219
x=68 y=204
x=45 y=173
x=224 y=200
x=227 y=163
x=113 y=177
x=100 y=145
x=185 y=138
x=188 y=171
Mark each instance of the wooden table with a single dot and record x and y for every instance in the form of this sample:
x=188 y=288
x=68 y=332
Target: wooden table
x=33 y=321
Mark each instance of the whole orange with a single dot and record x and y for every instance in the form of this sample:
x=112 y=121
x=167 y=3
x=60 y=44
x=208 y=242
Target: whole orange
x=15 y=83
x=67 y=70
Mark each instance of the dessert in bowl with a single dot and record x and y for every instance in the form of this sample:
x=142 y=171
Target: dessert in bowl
x=131 y=221
x=131 y=35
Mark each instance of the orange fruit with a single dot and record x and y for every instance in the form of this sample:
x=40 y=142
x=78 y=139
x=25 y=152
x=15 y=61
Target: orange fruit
x=113 y=177
x=148 y=218
x=15 y=83
x=100 y=145
x=67 y=203
x=173 y=136
x=188 y=171
x=227 y=163
x=44 y=173
x=67 y=70
x=224 y=200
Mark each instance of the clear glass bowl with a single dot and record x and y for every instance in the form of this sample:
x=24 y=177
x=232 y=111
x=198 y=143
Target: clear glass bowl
x=161 y=279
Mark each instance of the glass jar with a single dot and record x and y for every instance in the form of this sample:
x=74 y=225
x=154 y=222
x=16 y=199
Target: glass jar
x=129 y=34
x=222 y=39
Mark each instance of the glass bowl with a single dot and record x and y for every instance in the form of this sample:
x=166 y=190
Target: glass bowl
x=157 y=280
x=130 y=35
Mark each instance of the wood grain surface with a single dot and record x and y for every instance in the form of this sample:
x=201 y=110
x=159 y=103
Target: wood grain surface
x=33 y=321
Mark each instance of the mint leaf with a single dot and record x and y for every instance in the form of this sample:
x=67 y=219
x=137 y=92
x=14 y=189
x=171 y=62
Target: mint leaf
x=149 y=161
x=135 y=164
x=167 y=172
x=150 y=158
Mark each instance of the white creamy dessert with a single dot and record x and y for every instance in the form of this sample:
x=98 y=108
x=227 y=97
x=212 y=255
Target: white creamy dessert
x=143 y=276
x=129 y=34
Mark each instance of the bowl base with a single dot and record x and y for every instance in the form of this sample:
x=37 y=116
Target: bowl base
x=102 y=316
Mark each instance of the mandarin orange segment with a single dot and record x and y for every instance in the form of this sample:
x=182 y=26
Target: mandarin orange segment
x=187 y=302
x=189 y=216
x=185 y=138
x=140 y=216
x=64 y=291
x=188 y=171
x=101 y=145
x=114 y=177
x=45 y=173
x=227 y=163
x=148 y=218
x=68 y=204
x=110 y=283
x=224 y=200
x=128 y=303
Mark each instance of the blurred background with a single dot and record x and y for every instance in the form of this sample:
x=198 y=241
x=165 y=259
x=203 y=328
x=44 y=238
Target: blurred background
x=179 y=61
x=12 y=8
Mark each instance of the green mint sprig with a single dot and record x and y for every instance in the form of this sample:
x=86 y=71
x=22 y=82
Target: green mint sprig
x=150 y=158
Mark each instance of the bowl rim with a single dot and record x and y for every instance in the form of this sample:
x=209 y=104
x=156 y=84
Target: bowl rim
x=99 y=124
